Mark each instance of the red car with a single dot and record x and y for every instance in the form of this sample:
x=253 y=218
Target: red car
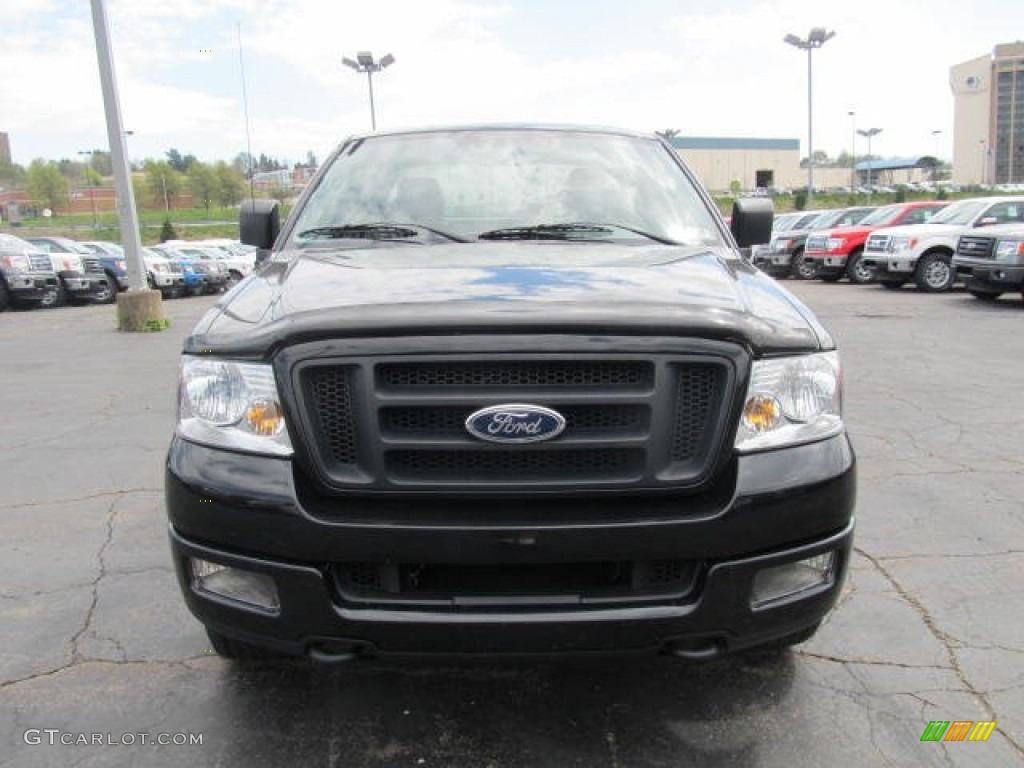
x=836 y=252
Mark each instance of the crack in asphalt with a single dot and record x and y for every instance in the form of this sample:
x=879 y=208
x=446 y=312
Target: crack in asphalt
x=106 y=662
x=84 y=584
x=947 y=641
x=76 y=500
x=942 y=555
x=111 y=515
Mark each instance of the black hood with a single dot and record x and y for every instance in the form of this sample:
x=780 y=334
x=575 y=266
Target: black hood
x=390 y=289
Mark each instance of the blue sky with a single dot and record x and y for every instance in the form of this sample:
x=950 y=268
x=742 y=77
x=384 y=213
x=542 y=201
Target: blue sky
x=705 y=69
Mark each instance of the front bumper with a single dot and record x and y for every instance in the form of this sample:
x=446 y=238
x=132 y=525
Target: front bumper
x=27 y=286
x=246 y=512
x=990 y=274
x=82 y=287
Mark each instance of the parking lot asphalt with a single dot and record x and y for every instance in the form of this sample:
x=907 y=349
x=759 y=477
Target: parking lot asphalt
x=97 y=645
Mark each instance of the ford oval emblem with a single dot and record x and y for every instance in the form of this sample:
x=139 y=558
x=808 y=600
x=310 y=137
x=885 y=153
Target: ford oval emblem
x=515 y=423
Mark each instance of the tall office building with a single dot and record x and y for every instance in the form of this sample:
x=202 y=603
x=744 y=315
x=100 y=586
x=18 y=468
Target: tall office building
x=988 y=129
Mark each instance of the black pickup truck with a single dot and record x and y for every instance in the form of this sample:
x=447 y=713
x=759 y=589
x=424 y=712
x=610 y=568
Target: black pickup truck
x=508 y=390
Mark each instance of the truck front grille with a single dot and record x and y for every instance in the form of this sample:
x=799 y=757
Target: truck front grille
x=877 y=243
x=40 y=262
x=974 y=247
x=377 y=423
x=816 y=243
x=92 y=265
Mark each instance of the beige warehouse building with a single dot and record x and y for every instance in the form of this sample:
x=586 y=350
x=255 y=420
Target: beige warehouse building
x=988 y=130
x=751 y=163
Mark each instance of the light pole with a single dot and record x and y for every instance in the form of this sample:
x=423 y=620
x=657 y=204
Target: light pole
x=853 y=150
x=869 y=133
x=92 y=184
x=984 y=161
x=365 y=63
x=817 y=37
x=935 y=167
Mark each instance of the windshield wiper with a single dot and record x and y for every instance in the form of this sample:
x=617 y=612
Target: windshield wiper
x=380 y=230
x=569 y=231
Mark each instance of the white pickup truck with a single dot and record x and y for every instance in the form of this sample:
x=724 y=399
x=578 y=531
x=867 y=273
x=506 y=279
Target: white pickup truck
x=924 y=252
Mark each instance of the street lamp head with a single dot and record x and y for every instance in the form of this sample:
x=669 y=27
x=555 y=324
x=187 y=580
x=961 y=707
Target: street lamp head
x=869 y=132
x=387 y=61
x=819 y=36
x=794 y=40
x=349 y=63
x=365 y=58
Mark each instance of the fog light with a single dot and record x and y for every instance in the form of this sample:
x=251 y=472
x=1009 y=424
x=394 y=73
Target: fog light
x=247 y=587
x=792 y=578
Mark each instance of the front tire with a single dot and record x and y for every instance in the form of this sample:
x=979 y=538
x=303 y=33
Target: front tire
x=55 y=297
x=857 y=271
x=802 y=268
x=107 y=295
x=988 y=296
x=5 y=296
x=935 y=273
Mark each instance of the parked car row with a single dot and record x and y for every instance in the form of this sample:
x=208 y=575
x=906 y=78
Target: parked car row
x=932 y=244
x=46 y=271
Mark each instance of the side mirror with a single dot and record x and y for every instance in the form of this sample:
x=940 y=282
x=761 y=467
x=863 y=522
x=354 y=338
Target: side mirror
x=751 y=221
x=259 y=222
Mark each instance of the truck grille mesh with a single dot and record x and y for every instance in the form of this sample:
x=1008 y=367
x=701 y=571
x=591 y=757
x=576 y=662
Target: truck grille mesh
x=517 y=374
x=331 y=393
x=699 y=388
x=452 y=421
x=511 y=465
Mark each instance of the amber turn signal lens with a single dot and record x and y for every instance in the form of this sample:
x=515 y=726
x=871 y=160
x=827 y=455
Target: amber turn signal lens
x=263 y=418
x=761 y=413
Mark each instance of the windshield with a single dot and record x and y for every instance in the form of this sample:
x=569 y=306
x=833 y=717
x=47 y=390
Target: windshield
x=885 y=215
x=959 y=213
x=12 y=244
x=843 y=217
x=506 y=184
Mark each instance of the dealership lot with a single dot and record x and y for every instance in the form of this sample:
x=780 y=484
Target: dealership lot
x=97 y=641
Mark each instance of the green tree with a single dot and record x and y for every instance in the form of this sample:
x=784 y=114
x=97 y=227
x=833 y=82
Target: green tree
x=101 y=162
x=230 y=184
x=167 y=231
x=46 y=184
x=163 y=181
x=203 y=183
x=11 y=173
x=175 y=159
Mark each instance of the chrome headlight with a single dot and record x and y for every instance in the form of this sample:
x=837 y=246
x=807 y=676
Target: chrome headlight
x=834 y=243
x=16 y=261
x=1008 y=249
x=231 y=405
x=902 y=243
x=791 y=400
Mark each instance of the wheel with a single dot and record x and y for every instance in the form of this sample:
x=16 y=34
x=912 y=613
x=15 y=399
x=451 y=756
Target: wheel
x=857 y=271
x=803 y=269
x=831 y=277
x=107 y=294
x=239 y=650
x=892 y=285
x=54 y=297
x=5 y=296
x=934 y=273
x=985 y=295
